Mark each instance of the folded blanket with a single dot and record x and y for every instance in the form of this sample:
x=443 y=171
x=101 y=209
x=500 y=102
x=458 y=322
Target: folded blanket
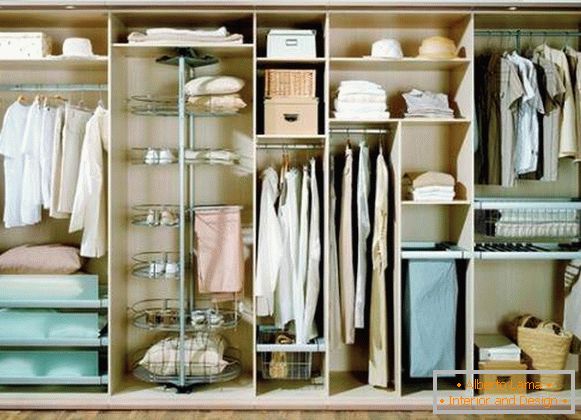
x=431 y=189
x=428 y=179
x=431 y=197
x=222 y=156
x=216 y=102
x=378 y=96
x=363 y=84
x=362 y=115
x=179 y=39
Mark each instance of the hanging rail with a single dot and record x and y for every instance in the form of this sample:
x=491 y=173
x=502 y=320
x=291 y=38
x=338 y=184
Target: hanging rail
x=34 y=87
x=290 y=146
x=518 y=33
x=359 y=131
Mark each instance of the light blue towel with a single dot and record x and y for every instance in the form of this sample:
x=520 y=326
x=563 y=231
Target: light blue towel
x=431 y=295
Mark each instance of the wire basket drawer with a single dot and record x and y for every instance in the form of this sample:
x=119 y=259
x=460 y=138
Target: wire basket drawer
x=287 y=365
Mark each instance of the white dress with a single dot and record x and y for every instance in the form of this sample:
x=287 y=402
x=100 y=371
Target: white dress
x=31 y=205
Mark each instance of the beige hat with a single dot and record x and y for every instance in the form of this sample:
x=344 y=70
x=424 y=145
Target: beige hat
x=438 y=47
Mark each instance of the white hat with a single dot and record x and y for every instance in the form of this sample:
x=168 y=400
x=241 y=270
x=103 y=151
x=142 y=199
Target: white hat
x=386 y=48
x=77 y=47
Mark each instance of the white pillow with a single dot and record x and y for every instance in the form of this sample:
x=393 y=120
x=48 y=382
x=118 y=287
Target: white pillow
x=214 y=85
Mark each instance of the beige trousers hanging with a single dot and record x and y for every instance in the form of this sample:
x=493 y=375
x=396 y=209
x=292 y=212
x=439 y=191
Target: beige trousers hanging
x=378 y=367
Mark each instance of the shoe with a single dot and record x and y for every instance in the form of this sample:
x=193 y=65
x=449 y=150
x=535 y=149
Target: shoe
x=166 y=157
x=169 y=218
x=151 y=157
x=152 y=218
x=172 y=269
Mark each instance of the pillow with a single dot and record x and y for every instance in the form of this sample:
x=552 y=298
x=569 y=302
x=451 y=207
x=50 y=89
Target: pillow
x=41 y=259
x=203 y=356
x=214 y=85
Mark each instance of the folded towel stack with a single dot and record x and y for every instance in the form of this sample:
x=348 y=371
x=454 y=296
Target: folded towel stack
x=427 y=104
x=429 y=186
x=178 y=37
x=360 y=99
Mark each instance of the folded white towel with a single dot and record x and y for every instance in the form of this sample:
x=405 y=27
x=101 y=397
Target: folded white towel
x=220 y=32
x=359 y=84
x=179 y=39
x=431 y=189
x=360 y=106
x=379 y=96
x=431 y=197
x=362 y=115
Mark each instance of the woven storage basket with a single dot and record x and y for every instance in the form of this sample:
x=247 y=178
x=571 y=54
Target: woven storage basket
x=282 y=82
x=546 y=350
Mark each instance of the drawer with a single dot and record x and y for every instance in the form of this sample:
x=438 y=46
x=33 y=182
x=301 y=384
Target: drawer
x=48 y=288
x=291 y=116
x=49 y=367
x=47 y=325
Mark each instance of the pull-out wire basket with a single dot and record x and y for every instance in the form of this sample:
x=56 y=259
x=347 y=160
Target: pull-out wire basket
x=156 y=265
x=156 y=215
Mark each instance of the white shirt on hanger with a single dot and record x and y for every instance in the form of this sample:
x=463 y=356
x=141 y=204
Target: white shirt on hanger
x=89 y=209
x=363 y=229
x=11 y=148
x=270 y=245
x=31 y=205
x=301 y=274
x=46 y=144
x=313 y=285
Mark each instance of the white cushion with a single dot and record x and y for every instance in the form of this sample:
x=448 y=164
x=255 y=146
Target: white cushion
x=214 y=85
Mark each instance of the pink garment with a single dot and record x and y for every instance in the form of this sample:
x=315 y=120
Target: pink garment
x=219 y=250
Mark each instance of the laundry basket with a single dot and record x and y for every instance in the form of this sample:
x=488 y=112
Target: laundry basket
x=545 y=349
x=291 y=365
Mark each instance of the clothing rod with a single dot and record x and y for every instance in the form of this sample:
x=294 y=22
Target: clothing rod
x=54 y=88
x=359 y=131
x=290 y=146
x=517 y=32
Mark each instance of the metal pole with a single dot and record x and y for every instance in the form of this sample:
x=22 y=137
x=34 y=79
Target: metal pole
x=192 y=202
x=66 y=87
x=182 y=234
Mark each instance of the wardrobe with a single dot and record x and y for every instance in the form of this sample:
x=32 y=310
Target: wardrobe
x=490 y=285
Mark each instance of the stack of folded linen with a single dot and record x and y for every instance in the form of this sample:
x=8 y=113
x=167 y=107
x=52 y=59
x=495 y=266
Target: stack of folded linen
x=360 y=99
x=429 y=186
x=427 y=104
x=215 y=94
x=177 y=37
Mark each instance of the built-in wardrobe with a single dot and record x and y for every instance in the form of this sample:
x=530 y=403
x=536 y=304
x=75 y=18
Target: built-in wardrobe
x=491 y=285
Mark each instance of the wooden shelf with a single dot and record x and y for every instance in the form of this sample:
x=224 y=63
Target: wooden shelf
x=261 y=137
x=266 y=60
x=56 y=64
x=155 y=50
x=402 y=64
x=436 y=203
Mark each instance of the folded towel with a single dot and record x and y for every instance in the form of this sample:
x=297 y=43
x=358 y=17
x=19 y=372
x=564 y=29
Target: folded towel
x=216 y=102
x=222 y=156
x=220 y=32
x=379 y=96
x=428 y=179
x=431 y=197
x=362 y=115
x=431 y=189
x=360 y=106
x=179 y=39
x=359 y=84
x=417 y=99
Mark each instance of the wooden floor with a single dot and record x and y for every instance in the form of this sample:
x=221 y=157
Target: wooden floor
x=245 y=415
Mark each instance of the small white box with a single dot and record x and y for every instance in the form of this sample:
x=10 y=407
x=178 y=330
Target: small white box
x=291 y=43
x=24 y=45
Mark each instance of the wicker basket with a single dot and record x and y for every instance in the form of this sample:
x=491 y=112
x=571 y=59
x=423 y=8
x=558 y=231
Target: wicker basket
x=545 y=351
x=282 y=82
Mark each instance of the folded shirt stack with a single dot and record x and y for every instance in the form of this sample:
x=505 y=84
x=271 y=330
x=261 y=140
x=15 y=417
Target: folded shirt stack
x=429 y=186
x=360 y=99
x=179 y=37
x=215 y=94
x=218 y=156
x=427 y=104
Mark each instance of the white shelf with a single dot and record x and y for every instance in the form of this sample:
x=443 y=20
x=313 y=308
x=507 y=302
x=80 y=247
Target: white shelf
x=526 y=203
x=549 y=255
x=266 y=60
x=56 y=304
x=56 y=342
x=402 y=64
x=156 y=50
x=56 y=380
x=446 y=251
x=436 y=203
x=52 y=64
x=260 y=137
x=318 y=347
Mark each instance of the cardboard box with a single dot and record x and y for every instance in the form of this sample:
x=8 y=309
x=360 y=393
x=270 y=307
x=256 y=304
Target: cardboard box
x=291 y=116
x=499 y=383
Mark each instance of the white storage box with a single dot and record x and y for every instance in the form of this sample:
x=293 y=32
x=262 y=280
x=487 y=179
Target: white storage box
x=24 y=45
x=291 y=43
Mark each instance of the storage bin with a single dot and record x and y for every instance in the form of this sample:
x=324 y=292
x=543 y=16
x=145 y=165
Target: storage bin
x=24 y=45
x=45 y=324
x=283 y=365
x=511 y=380
x=47 y=365
x=291 y=116
x=291 y=43
x=289 y=82
x=40 y=287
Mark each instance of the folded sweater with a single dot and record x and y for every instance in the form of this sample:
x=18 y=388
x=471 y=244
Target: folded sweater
x=428 y=179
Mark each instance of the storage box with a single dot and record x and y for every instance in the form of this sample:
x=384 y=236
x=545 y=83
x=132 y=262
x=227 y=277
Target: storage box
x=289 y=82
x=499 y=383
x=24 y=45
x=496 y=347
x=291 y=43
x=291 y=116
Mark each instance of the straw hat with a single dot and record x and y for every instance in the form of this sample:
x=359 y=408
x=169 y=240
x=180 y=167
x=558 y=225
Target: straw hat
x=438 y=47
